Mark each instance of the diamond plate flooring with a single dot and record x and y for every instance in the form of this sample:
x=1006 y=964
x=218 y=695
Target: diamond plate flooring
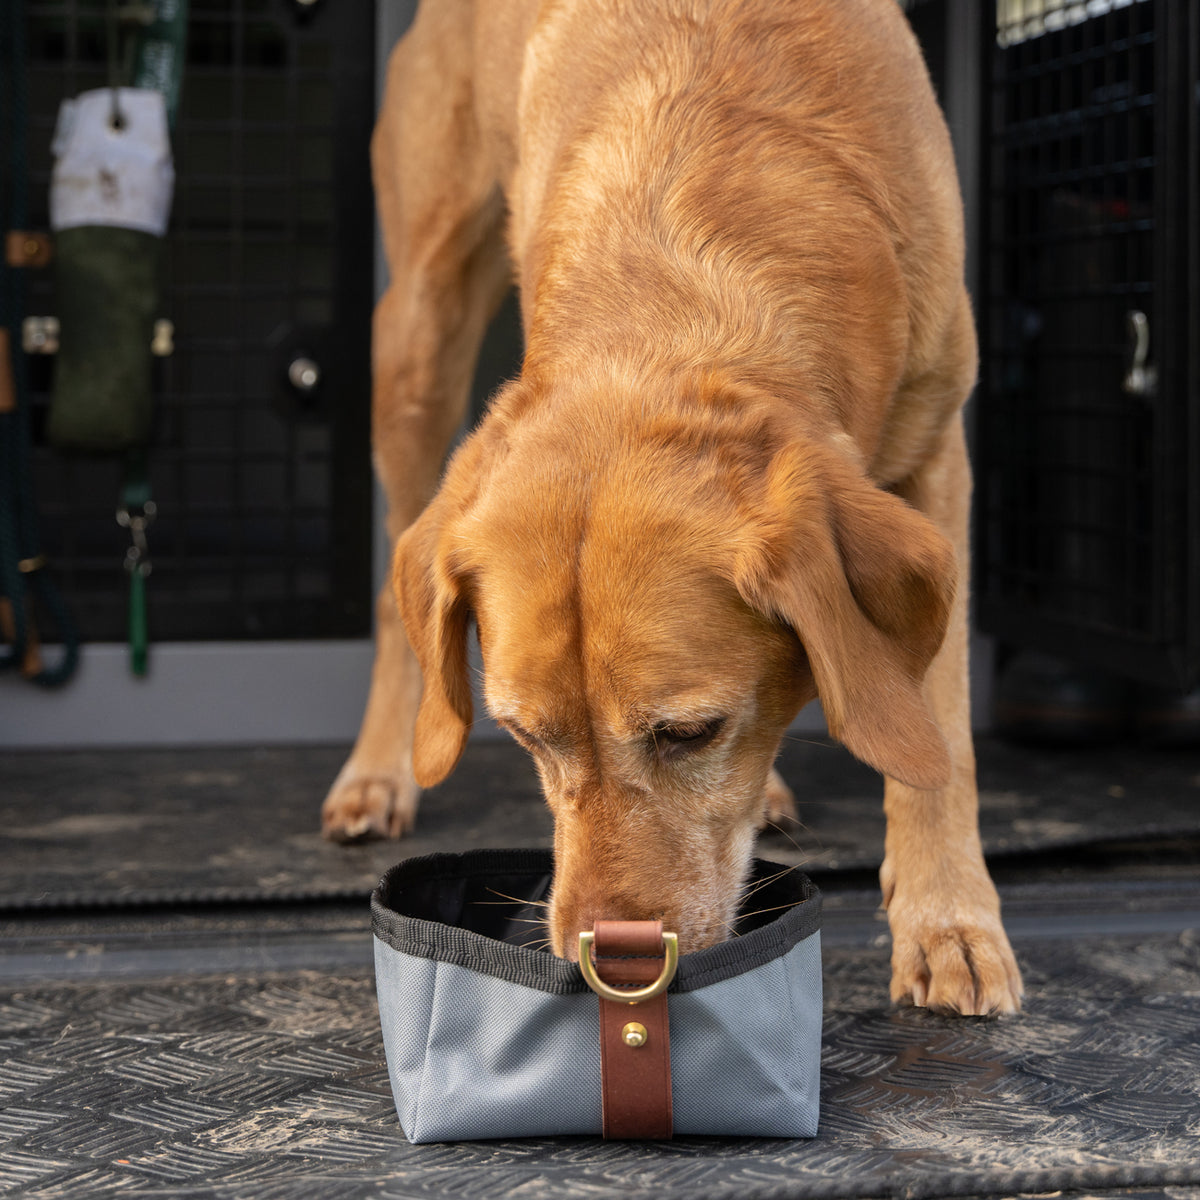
x=177 y=826
x=187 y=1006
x=275 y=1086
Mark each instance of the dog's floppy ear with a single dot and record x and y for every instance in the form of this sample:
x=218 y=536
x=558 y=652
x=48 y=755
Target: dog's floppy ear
x=430 y=584
x=867 y=583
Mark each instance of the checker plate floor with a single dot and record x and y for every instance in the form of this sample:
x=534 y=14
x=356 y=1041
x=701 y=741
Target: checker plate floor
x=177 y=826
x=275 y=1086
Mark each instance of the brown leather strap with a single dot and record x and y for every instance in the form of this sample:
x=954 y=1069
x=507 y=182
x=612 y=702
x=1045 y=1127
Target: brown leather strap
x=635 y=1039
x=8 y=392
x=27 y=248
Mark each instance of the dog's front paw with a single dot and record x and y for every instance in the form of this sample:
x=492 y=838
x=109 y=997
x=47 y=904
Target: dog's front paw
x=950 y=952
x=369 y=804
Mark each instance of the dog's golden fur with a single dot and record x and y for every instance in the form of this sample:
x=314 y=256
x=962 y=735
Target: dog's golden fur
x=732 y=473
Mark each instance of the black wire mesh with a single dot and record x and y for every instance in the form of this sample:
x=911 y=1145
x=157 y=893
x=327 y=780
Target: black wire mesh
x=263 y=492
x=1083 y=528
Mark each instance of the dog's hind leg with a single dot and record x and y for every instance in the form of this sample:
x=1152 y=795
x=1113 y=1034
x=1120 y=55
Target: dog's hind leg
x=442 y=215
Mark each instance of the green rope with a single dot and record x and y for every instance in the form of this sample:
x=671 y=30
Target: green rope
x=154 y=59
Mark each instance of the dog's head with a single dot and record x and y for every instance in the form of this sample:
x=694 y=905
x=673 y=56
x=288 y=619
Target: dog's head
x=653 y=609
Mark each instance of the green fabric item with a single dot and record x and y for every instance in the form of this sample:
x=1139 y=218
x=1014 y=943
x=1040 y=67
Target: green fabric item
x=107 y=280
x=160 y=52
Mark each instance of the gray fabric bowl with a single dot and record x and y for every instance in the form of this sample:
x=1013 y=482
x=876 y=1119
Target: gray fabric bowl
x=487 y=1038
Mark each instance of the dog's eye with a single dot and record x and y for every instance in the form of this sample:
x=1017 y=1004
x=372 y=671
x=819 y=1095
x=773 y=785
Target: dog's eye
x=670 y=741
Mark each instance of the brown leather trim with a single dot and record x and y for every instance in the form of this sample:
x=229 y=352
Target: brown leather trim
x=8 y=393
x=635 y=1080
x=31 y=662
x=27 y=248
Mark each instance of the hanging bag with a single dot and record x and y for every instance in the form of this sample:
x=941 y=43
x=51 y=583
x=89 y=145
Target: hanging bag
x=110 y=200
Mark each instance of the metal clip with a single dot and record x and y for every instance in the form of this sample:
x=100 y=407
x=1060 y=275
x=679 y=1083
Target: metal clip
x=137 y=557
x=1140 y=379
x=39 y=335
x=163 y=344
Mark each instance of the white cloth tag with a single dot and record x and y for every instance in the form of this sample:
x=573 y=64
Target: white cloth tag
x=106 y=174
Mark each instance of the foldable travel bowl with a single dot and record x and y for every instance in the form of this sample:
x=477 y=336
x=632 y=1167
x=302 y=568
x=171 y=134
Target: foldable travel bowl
x=488 y=1037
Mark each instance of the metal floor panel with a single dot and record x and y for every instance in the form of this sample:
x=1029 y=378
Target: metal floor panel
x=94 y=828
x=262 y=1086
x=187 y=1009
x=1112 y=897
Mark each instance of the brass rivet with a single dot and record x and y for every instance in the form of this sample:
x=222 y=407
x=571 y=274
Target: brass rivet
x=634 y=1034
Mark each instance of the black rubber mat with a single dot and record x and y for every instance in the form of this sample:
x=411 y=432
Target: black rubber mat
x=159 y=826
x=275 y=1086
x=97 y=828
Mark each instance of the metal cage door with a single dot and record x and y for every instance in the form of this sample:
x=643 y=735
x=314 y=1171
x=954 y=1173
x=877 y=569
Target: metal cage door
x=1088 y=436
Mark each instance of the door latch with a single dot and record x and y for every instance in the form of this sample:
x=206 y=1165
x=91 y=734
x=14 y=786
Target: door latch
x=1140 y=379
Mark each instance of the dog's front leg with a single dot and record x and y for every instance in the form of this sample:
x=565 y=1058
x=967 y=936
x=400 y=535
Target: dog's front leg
x=442 y=217
x=949 y=948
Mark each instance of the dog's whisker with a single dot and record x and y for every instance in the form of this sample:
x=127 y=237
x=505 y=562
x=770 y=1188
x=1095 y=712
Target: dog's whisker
x=758 y=884
x=758 y=912
x=506 y=898
x=801 y=828
x=762 y=883
x=793 y=740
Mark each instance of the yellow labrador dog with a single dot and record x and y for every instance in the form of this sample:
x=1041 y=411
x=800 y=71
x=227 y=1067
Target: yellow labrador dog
x=731 y=475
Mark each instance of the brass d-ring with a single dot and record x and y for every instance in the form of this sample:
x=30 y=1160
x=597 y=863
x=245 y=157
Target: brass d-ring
x=629 y=995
